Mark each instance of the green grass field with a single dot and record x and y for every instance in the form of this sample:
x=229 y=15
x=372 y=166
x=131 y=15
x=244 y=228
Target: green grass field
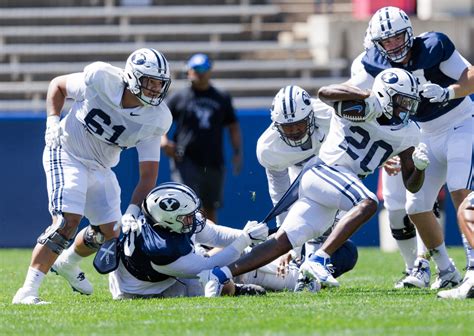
x=366 y=304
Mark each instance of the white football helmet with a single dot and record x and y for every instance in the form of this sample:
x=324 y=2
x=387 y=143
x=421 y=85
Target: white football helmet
x=389 y=22
x=292 y=115
x=398 y=94
x=147 y=63
x=175 y=207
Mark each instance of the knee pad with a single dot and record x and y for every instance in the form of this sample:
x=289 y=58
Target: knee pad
x=345 y=258
x=93 y=237
x=52 y=238
x=407 y=232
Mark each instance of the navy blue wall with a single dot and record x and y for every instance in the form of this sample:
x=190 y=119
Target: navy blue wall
x=23 y=197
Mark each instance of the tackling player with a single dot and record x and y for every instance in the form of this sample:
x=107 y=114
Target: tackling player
x=158 y=258
x=113 y=109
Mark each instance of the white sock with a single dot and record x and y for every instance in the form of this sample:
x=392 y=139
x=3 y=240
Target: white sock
x=440 y=257
x=70 y=256
x=469 y=253
x=408 y=251
x=33 y=280
x=421 y=247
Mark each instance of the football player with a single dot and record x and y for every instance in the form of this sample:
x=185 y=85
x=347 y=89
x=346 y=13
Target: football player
x=113 y=109
x=158 y=257
x=299 y=126
x=393 y=193
x=332 y=181
x=445 y=118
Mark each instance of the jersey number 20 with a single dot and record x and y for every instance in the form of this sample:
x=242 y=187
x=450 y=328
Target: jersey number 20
x=362 y=144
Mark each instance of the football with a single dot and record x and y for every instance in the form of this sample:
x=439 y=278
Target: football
x=353 y=110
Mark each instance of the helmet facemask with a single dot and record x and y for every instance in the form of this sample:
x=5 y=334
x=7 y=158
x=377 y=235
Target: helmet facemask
x=399 y=53
x=398 y=95
x=296 y=133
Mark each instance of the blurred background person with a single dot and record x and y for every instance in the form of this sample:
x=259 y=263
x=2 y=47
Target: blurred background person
x=201 y=113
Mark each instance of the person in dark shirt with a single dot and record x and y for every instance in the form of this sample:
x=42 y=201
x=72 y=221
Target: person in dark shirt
x=201 y=112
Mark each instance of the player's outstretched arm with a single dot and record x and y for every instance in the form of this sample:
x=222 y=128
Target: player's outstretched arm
x=331 y=94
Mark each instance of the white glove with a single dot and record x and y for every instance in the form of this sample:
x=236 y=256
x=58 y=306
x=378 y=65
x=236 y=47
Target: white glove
x=258 y=232
x=52 y=136
x=420 y=157
x=437 y=94
x=214 y=280
x=373 y=110
x=129 y=220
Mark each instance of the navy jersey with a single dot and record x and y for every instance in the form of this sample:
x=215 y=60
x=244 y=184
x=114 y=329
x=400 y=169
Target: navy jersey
x=160 y=247
x=428 y=52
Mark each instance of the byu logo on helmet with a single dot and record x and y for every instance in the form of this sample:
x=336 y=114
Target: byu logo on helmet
x=390 y=78
x=138 y=59
x=306 y=98
x=169 y=204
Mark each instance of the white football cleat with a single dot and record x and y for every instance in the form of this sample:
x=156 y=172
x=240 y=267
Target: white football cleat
x=318 y=268
x=74 y=275
x=463 y=291
x=28 y=297
x=420 y=275
x=312 y=285
x=401 y=282
x=447 y=278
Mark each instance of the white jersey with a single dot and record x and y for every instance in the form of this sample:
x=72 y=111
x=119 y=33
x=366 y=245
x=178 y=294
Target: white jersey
x=97 y=128
x=363 y=147
x=282 y=162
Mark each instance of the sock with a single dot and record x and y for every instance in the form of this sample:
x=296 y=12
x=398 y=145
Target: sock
x=440 y=257
x=421 y=247
x=33 y=280
x=408 y=251
x=70 y=256
x=469 y=253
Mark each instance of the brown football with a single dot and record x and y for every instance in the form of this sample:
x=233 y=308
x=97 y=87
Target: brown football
x=353 y=110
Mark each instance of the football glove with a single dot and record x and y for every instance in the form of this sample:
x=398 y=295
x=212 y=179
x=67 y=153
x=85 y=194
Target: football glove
x=214 y=280
x=420 y=157
x=258 y=232
x=373 y=110
x=52 y=136
x=437 y=94
x=129 y=220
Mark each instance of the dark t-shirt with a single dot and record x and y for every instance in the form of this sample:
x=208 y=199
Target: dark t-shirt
x=200 y=118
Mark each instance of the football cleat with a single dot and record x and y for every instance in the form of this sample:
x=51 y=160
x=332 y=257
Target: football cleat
x=420 y=275
x=463 y=291
x=401 y=282
x=74 y=275
x=447 y=278
x=249 y=289
x=312 y=285
x=319 y=268
x=28 y=297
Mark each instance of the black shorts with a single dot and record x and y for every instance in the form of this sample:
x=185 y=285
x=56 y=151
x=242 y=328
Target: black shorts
x=207 y=182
